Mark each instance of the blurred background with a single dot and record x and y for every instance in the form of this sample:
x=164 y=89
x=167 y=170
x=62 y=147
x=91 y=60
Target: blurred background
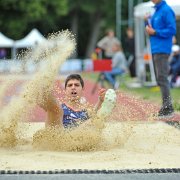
x=24 y=24
x=87 y=19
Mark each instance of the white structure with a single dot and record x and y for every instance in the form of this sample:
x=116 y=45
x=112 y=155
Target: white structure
x=5 y=41
x=142 y=41
x=33 y=38
x=143 y=8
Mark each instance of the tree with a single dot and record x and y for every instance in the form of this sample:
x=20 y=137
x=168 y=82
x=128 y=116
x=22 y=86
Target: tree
x=18 y=17
x=88 y=19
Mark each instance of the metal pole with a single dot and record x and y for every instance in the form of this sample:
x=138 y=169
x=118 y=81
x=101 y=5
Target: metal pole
x=140 y=1
x=130 y=13
x=118 y=18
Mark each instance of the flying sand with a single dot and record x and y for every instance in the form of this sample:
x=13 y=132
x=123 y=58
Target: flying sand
x=118 y=145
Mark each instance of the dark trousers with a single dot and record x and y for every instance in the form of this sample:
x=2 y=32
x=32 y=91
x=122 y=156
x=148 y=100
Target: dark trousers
x=161 y=67
x=132 y=68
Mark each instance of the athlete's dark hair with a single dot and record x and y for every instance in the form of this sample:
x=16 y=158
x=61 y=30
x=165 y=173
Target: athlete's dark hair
x=74 y=76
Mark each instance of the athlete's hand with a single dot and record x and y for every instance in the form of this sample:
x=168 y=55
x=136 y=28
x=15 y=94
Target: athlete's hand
x=101 y=94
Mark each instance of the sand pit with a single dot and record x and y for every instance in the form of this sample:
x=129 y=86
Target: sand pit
x=119 y=145
x=144 y=145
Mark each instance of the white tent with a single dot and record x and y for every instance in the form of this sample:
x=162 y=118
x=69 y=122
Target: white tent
x=5 y=41
x=142 y=41
x=33 y=38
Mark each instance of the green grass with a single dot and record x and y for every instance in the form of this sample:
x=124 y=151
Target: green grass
x=146 y=93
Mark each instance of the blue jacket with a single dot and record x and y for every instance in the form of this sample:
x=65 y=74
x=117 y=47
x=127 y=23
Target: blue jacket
x=164 y=23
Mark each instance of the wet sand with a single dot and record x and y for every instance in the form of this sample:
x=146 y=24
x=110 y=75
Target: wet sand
x=145 y=145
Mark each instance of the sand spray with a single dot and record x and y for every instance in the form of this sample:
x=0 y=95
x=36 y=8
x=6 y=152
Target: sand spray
x=57 y=49
x=102 y=135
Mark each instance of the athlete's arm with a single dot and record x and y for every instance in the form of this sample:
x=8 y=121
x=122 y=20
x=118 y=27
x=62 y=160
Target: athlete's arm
x=101 y=95
x=53 y=109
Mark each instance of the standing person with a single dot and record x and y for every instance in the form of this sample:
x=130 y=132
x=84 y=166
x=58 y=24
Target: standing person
x=161 y=28
x=130 y=49
x=74 y=109
x=174 y=65
x=119 y=65
x=107 y=42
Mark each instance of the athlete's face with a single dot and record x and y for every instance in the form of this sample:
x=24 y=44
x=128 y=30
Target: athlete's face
x=74 y=89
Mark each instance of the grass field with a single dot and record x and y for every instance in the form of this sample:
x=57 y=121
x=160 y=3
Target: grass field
x=147 y=93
